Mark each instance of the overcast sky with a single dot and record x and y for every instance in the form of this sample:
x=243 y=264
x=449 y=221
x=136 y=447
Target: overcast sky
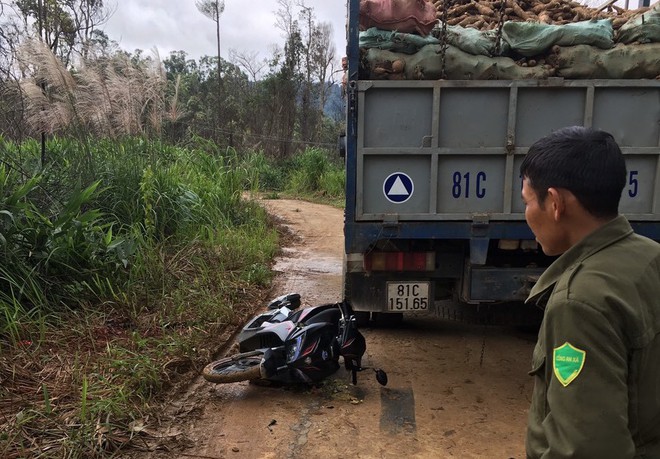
x=245 y=26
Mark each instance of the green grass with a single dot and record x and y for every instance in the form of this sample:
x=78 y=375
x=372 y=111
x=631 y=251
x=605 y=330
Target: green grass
x=122 y=265
x=314 y=175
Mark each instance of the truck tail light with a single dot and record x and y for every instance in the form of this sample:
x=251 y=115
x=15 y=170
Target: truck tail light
x=399 y=261
x=515 y=244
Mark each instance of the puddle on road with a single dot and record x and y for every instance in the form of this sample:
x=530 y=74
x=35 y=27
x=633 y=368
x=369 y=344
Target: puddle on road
x=398 y=411
x=316 y=278
x=297 y=261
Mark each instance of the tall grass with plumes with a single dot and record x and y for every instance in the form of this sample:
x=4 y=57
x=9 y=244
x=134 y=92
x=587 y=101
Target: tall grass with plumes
x=122 y=263
x=109 y=98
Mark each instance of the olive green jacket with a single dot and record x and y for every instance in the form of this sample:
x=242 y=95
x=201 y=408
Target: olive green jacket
x=596 y=364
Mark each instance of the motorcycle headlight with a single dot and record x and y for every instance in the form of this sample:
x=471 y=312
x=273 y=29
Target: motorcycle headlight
x=293 y=349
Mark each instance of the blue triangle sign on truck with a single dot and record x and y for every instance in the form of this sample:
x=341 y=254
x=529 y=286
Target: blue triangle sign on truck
x=398 y=187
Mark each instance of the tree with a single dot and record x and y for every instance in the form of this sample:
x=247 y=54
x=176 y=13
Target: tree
x=315 y=58
x=248 y=62
x=286 y=80
x=276 y=104
x=66 y=26
x=324 y=56
x=88 y=15
x=213 y=9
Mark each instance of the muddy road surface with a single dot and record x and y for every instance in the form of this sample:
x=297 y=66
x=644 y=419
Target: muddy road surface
x=454 y=391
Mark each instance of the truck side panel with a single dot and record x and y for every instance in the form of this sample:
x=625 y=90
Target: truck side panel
x=462 y=144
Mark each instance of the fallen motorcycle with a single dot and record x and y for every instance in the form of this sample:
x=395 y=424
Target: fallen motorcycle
x=290 y=345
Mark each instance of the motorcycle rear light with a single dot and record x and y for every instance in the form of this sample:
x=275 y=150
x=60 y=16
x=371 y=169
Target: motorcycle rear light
x=529 y=245
x=399 y=261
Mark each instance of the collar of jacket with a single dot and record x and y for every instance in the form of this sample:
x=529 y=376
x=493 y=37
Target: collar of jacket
x=609 y=233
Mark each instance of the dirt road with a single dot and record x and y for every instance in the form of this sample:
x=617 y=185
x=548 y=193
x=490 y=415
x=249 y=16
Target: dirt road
x=454 y=390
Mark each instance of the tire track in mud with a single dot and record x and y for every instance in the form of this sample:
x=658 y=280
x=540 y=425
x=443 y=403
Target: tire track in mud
x=301 y=430
x=397 y=412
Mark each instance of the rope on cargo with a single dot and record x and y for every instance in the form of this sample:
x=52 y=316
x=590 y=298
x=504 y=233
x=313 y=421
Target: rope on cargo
x=443 y=38
x=500 y=23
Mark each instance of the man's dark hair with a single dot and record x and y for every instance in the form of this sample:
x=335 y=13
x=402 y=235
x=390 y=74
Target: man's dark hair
x=584 y=161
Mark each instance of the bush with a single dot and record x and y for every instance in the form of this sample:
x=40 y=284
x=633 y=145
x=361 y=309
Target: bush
x=313 y=172
x=122 y=262
x=333 y=183
x=69 y=238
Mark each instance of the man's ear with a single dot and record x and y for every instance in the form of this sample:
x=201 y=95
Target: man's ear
x=556 y=200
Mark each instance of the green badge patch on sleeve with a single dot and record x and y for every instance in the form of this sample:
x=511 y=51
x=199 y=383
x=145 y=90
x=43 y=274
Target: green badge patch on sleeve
x=567 y=362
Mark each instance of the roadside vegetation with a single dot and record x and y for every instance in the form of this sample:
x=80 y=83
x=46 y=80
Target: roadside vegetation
x=120 y=271
x=132 y=242
x=315 y=175
x=125 y=265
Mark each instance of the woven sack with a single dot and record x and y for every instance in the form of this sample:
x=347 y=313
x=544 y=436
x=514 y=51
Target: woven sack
x=406 y=16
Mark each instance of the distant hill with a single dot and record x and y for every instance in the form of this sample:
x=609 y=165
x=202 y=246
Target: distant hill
x=334 y=106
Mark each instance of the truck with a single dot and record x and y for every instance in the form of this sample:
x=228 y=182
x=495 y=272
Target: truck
x=434 y=221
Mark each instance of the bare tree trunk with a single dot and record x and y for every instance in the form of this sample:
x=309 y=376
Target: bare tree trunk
x=220 y=81
x=43 y=83
x=217 y=30
x=212 y=9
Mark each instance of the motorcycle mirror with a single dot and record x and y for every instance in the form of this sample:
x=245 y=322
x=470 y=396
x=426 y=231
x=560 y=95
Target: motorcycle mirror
x=381 y=377
x=294 y=300
x=290 y=300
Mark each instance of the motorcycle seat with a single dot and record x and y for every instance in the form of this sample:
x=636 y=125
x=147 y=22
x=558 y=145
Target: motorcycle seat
x=331 y=316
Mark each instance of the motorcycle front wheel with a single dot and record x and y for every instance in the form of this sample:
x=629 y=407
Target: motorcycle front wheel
x=236 y=368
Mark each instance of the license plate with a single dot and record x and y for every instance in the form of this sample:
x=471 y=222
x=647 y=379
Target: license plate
x=408 y=296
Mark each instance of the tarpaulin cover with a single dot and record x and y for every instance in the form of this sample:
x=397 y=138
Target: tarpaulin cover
x=533 y=38
x=407 y=43
x=473 y=41
x=643 y=28
x=399 y=15
x=426 y=64
x=620 y=62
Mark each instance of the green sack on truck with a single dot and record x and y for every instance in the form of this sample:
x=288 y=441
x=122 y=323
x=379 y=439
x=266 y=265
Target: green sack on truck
x=532 y=39
x=473 y=41
x=621 y=62
x=397 y=42
x=427 y=64
x=642 y=28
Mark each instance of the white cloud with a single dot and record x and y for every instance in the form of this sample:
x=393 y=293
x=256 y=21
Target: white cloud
x=246 y=26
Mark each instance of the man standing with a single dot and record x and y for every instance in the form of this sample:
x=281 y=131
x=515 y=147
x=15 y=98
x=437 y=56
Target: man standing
x=596 y=364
